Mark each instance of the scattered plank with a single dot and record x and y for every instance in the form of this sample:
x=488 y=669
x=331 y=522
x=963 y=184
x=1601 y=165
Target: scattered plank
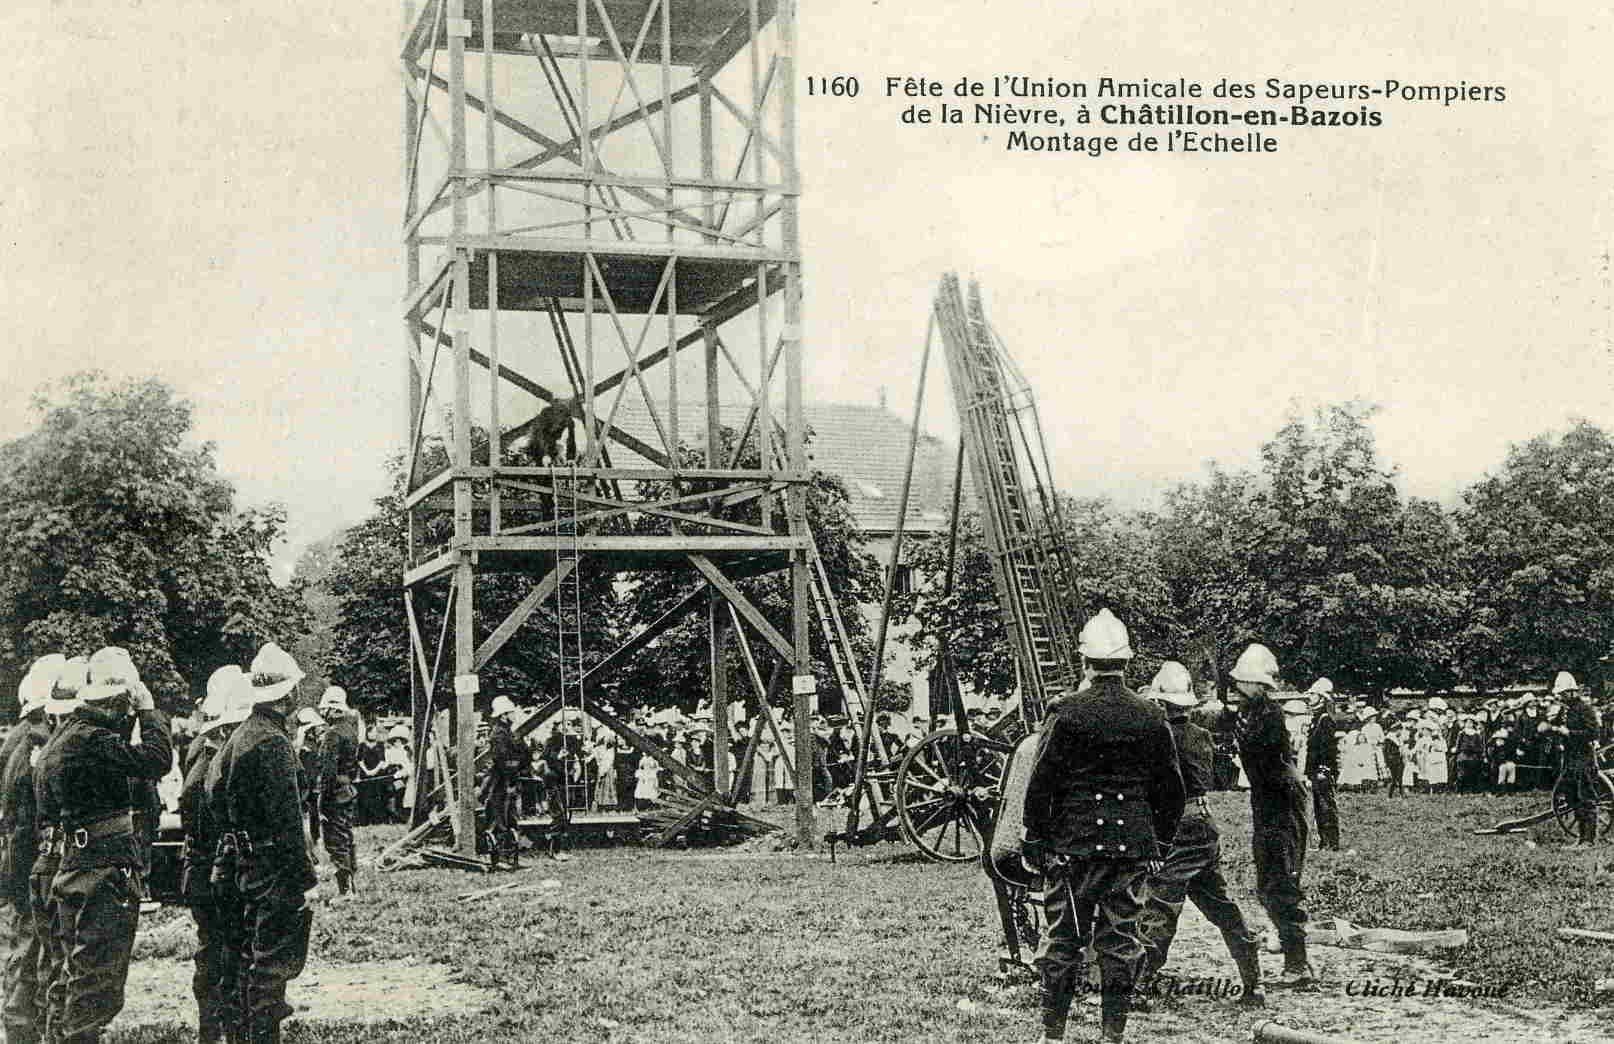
x=452 y=860
x=1585 y=933
x=470 y=897
x=1512 y=826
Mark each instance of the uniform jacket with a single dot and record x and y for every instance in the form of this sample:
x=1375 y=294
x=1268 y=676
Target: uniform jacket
x=201 y=832
x=1196 y=757
x=1277 y=793
x=1105 y=784
x=506 y=755
x=1583 y=724
x=1322 y=746
x=338 y=763
x=19 y=812
x=251 y=789
x=86 y=771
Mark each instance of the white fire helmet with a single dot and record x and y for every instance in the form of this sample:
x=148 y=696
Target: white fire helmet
x=1105 y=638
x=222 y=687
x=1257 y=664
x=1565 y=682
x=1174 y=685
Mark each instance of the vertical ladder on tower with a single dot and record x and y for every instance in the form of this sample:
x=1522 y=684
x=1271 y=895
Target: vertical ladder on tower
x=568 y=601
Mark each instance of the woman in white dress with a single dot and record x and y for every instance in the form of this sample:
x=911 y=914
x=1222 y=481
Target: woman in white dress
x=605 y=767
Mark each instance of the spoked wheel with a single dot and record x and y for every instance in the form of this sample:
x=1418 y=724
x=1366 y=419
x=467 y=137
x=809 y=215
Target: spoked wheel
x=1563 y=804
x=946 y=787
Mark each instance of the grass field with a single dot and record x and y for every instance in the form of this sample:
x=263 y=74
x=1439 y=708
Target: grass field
x=639 y=945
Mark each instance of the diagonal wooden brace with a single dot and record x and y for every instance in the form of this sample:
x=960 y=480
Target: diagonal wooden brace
x=737 y=599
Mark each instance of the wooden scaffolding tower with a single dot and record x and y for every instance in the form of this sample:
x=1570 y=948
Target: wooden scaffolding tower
x=591 y=188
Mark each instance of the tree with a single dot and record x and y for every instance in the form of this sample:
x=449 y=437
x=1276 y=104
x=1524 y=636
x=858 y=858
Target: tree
x=117 y=529
x=1540 y=542
x=1356 y=584
x=1115 y=568
x=1204 y=541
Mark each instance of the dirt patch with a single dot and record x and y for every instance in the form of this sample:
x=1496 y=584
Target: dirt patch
x=159 y=993
x=1339 y=1008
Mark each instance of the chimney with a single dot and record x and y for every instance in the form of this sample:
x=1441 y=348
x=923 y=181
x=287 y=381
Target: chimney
x=882 y=396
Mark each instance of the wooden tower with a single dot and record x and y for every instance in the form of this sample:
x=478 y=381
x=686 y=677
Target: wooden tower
x=591 y=188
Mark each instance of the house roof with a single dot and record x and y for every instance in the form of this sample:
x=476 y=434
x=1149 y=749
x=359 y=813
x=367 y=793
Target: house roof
x=865 y=446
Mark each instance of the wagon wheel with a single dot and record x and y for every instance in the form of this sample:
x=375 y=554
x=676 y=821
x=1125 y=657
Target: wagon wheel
x=946 y=787
x=1563 y=808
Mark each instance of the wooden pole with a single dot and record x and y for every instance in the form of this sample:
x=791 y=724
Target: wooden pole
x=795 y=430
x=464 y=637
x=717 y=630
x=875 y=668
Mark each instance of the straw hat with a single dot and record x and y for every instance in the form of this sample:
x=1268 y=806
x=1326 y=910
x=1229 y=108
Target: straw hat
x=398 y=732
x=274 y=674
x=309 y=717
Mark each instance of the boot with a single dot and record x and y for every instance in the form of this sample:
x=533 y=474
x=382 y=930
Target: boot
x=344 y=882
x=1297 y=971
x=1113 y=1026
x=1248 y=959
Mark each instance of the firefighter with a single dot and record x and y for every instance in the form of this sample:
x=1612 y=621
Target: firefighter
x=251 y=792
x=85 y=773
x=213 y=910
x=335 y=793
x=1193 y=867
x=1579 y=772
x=1322 y=764
x=51 y=989
x=19 y=833
x=507 y=757
x=1102 y=805
x=306 y=743
x=1278 y=801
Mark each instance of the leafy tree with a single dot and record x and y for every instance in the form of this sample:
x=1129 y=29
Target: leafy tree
x=117 y=529
x=1540 y=542
x=1115 y=569
x=1204 y=540
x=1356 y=583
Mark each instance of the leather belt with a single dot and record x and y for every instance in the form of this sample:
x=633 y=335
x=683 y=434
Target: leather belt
x=343 y=781
x=119 y=824
x=241 y=841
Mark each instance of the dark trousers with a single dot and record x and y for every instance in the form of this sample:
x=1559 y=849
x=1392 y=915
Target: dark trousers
x=214 y=983
x=1112 y=894
x=336 y=828
x=1192 y=870
x=272 y=941
x=1580 y=778
x=97 y=912
x=1279 y=849
x=22 y=997
x=1326 y=808
x=51 y=985
x=501 y=821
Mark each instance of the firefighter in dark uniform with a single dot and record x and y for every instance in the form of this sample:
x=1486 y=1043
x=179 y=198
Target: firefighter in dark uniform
x=336 y=793
x=1102 y=805
x=1322 y=764
x=310 y=730
x=85 y=775
x=562 y=750
x=1278 y=801
x=507 y=756
x=213 y=909
x=252 y=794
x=19 y=833
x=1582 y=724
x=51 y=989
x=1193 y=867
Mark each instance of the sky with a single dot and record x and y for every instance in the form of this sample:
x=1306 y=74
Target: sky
x=211 y=193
